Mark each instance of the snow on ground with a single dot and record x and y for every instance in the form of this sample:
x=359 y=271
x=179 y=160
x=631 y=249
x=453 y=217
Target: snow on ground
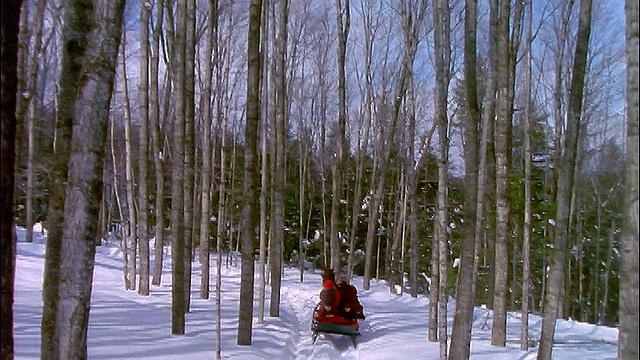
x=125 y=325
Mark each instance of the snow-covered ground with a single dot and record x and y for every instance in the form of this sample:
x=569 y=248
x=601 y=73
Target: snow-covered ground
x=125 y=325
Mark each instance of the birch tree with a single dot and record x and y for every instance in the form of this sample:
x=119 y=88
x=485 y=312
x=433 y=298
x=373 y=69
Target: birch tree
x=69 y=84
x=442 y=50
x=382 y=155
x=465 y=293
x=178 y=299
x=99 y=26
x=343 y=22
x=189 y=147
x=501 y=135
x=369 y=16
x=27 y=104
x=279 y=135
x=263 y=164
x=131 y=240
x=143 y=150
x=251 y=176
x=565 y=183
x=526 y=230
x=207 y=161
x=628 y=329
x=157 y=145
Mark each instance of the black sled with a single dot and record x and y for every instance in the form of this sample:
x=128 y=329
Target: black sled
x=318 y=327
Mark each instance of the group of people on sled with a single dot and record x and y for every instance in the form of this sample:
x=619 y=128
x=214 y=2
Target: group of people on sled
x=339 y=302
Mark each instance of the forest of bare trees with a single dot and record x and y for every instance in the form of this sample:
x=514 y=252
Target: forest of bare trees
x=480 y=151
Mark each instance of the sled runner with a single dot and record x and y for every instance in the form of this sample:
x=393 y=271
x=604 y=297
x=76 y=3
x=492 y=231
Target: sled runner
x=333 y=325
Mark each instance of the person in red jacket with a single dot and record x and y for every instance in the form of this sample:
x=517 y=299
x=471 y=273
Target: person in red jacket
x=329 y=295
x=330 y=309
x=349 y=303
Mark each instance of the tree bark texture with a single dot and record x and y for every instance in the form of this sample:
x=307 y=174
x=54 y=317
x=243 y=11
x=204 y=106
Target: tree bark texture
x=565 y=184
x=207 y=161
x=343 y=23
x=102 y=28
x=10 y=15
x=157 y=147
x=442 y=50
x=75 y=34
x=143 y=151
x=628 y=328
x=281 y=124
x=132 y=211
x=501 y=135
x=465 y=294
x=251 y=180
x=189 y=148
x=178 y=305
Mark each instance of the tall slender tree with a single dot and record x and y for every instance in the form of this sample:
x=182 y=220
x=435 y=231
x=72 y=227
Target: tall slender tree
x=263 y=164
x=343 y=23
x=565 y=183
x=628 y=329
x=189 y=147
x=526 y=229
x=178 y=307
x=465 y=294
x=251 y=177
x=74 y=34
x=131 y=233
x=442 y=50
x=279 y=134
x=99 y=23
x=143 y=151
x=501 y=135
x=157 y=145
x=207 y=161
x=28 y=101
x=10 y=15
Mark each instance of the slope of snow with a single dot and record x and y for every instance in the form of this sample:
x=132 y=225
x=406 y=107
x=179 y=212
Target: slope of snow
x=125 y=325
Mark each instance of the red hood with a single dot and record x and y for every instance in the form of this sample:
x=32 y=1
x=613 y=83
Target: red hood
x=328 y=284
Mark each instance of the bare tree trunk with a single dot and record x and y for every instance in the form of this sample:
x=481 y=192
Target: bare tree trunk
x=628 y=328
x=157 y=146
x=501 y=133
x=143 y=152
x=189 y=148
x=560 y=95
x=207 y=162
x=263 y=165
x=363 y=142
x=121 y=222
x=598 y=239
x=22 y=68
x=442 y=50
x=281 y=120
x=66 y=98
x=9 y=50
x=178 y=306
x=381 y=165
x=102 y=26
x=343 y=24
x=605 y=280
x=132 y=224
x=565 y=183
x=526 y=230
x=465 y=294
x=30 y=99
x=251 y=176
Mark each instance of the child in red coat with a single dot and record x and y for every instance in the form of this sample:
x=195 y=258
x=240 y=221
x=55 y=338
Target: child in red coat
x=350 y=305
x=331 y=310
